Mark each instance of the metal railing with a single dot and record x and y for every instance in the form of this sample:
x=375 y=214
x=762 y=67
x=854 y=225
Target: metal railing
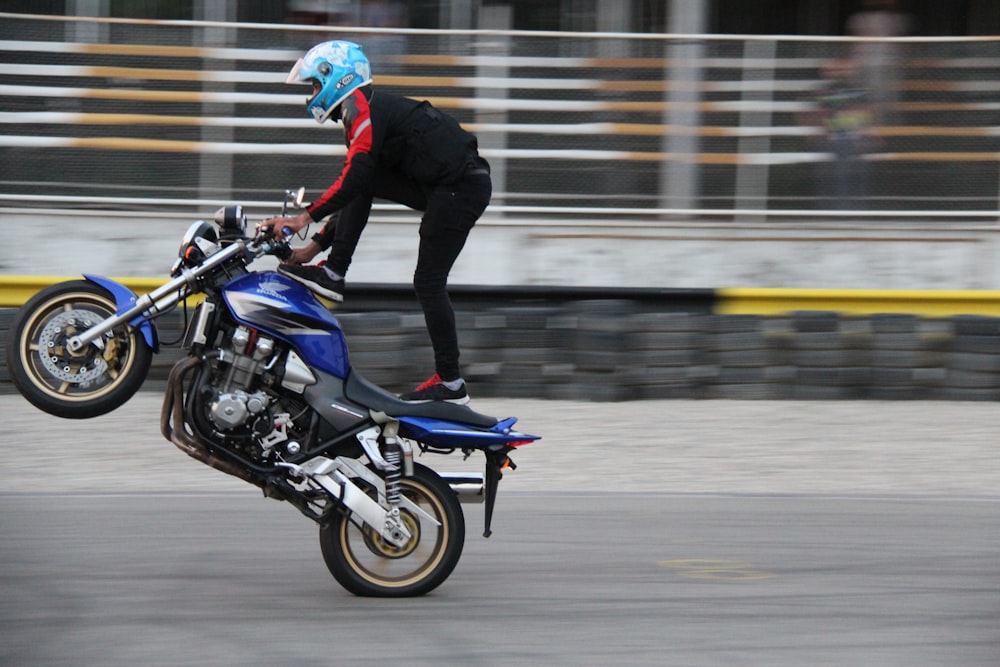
x=669 y=125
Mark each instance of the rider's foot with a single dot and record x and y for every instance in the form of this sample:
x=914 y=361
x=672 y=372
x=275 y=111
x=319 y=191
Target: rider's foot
x=435 y=389
x=315 y=278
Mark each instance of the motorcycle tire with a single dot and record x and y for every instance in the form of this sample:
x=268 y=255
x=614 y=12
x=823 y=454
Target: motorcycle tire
x=363 y=563
x=78 y=385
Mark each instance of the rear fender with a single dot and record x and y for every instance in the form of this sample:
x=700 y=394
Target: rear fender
x=495 y=442
x=448 y=435
x=125 y=299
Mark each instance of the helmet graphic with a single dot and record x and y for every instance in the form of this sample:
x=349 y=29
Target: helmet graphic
x=335 y=69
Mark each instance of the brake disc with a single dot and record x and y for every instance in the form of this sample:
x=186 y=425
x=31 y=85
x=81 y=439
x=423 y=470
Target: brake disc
x=55 y=355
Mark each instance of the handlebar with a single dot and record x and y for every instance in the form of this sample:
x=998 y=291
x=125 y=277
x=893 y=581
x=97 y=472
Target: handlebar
x=268 y=244
x=263 y=241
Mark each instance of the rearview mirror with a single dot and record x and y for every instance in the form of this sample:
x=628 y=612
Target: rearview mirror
x=296 y=197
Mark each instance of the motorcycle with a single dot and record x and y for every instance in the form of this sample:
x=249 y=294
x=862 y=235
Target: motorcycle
x=266 y=393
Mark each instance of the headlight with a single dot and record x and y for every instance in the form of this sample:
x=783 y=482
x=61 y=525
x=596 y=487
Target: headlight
x=200 y=241
x=232 y=221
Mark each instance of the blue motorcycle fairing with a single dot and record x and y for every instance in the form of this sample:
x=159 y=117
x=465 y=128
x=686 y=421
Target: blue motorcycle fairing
x=281 y=307
x=453 y=434
x=125 y=299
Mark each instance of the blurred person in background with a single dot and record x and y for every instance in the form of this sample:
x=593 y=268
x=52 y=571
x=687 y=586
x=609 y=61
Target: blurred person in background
x=385 y=47
x=880 y=63
x=322 y=14
x=842 y=110
x=404 y=151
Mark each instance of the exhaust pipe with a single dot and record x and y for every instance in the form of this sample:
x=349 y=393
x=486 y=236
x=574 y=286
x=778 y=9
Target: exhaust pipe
x=469 y=487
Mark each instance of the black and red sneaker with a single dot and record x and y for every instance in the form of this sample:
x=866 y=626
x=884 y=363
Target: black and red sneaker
x=434 y=389
x=315 y=278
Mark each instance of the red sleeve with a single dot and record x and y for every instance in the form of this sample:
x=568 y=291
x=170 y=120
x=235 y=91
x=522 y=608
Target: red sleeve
x=359 y=165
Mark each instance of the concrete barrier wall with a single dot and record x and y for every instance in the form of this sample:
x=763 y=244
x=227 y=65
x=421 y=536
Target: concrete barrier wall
x=615 y=350
x=803 y=253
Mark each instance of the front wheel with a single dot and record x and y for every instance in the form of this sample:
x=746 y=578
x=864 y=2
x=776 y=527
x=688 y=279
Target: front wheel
x=75 y=385
x=363 y=563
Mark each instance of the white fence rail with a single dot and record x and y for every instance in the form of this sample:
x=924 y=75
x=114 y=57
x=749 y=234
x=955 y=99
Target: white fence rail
x=185 y=111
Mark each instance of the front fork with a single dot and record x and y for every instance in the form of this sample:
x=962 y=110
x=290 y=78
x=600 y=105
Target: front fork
x=125 y=300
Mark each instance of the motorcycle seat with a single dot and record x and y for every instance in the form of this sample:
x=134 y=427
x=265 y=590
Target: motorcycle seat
x=363 y=392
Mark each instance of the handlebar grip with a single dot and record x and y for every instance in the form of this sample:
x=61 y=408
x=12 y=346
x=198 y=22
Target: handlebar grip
x=282 y=251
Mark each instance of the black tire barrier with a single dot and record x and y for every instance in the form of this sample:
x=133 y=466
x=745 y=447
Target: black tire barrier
x=616 y=345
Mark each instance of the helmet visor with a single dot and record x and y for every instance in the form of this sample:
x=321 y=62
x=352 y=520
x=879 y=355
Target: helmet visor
x=295 y=76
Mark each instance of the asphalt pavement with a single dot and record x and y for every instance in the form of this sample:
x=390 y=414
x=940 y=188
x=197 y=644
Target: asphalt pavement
x=567 y=579
x=694 y=533
x=675 y=446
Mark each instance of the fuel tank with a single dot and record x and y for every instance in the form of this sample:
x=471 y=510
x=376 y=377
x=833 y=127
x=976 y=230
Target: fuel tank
x=282 y=308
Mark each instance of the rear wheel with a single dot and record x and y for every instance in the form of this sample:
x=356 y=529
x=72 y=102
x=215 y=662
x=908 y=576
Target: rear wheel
x=77 y=385
x=365 y=564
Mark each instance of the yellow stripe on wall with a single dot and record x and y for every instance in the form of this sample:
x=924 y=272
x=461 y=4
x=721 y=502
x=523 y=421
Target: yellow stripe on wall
x=143 y=50
x=130 y=144
x=926 y=303
x=15 y=290
x=148 y=73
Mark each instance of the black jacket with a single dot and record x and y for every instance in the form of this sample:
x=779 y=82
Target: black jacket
x=400 y=134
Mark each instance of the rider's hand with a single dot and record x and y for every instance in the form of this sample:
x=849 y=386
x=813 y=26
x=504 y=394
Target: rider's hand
x=292 y=224
x=304 y=255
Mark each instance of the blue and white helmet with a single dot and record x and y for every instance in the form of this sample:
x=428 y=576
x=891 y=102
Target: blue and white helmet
x=336 y=69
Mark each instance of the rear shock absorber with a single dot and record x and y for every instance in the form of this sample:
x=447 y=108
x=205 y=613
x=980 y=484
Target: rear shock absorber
x=393 y=492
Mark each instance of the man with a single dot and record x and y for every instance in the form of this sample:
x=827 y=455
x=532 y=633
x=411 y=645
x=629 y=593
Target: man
x=844 y=113
x=404 y=151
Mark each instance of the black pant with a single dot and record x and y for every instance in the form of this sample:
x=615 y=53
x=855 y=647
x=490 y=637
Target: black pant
x=450 y=212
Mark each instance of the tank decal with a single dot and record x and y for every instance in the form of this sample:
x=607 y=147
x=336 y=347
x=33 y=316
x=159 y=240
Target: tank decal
x=283 y=308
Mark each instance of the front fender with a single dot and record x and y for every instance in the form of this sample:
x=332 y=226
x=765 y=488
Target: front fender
x=125 y=299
